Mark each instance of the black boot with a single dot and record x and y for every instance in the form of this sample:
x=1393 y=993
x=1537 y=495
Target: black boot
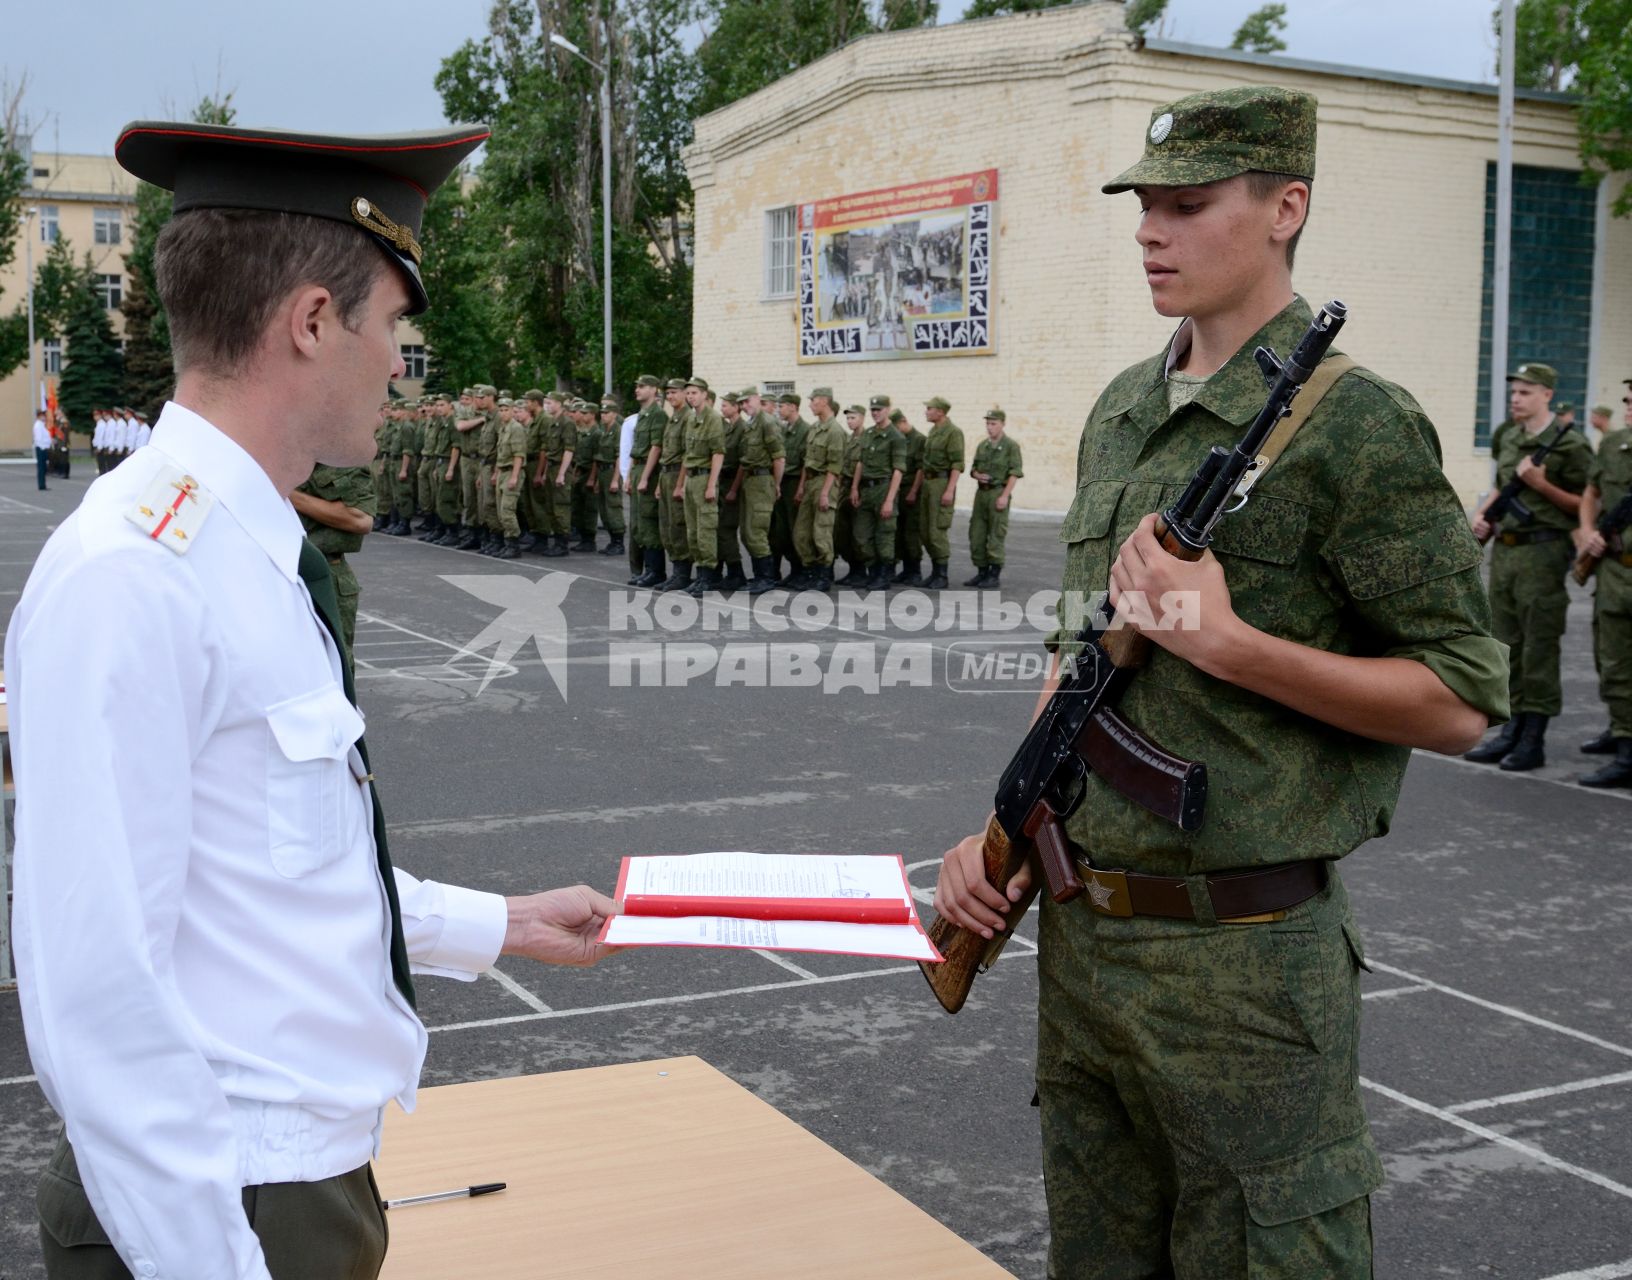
x=1528 y=753
x=586 y=542
x=937 y=580
x=380 y=522
x=614 y=547
x=1618 y=772
x=469 y=540
x=529 y=540
x=993 y=573
x=432 y=528
x=1602 y=745
x=1492 y=751
x=764 y=578
x=707 y=579
x=980 y=579
x=680 y=579
x=912 y=573
x=652 y=569
x=557 y=546
x=817 y=577
x=856 y=577
x=509 y=549
x=734 y=578
x=400 y=529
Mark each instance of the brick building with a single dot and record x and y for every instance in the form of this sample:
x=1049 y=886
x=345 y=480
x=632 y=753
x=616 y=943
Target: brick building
x=1056 y=101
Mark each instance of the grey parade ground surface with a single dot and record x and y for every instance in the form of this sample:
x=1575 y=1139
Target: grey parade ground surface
x=1497 y=1054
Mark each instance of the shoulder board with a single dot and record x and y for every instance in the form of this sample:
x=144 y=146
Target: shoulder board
x=172 y=510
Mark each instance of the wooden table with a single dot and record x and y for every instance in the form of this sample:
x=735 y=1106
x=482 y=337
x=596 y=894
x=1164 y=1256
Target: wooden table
x=646 y=1170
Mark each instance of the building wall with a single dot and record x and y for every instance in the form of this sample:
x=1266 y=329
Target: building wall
x=1058 y=101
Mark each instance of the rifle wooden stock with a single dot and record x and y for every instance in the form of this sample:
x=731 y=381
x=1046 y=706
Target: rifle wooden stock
x=966 y=952
x=1584 y=566
x=1126 y=647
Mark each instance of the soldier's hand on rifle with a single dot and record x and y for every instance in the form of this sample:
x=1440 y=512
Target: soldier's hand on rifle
x=1481 y=528
x=1182 y=605
x=964 y=896
x=1531 y=474
x=1589 y=542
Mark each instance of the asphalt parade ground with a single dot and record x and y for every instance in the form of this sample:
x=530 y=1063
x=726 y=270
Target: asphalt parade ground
x=1497 y=1057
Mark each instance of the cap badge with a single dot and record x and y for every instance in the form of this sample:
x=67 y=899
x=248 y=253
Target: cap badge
x=372 y=219
x=1160 y=127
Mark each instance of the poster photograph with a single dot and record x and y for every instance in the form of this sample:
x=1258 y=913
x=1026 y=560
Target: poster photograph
x=901 y=272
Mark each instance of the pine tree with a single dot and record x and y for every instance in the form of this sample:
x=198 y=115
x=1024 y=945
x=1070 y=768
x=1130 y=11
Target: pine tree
x=94 y=372
x=149 y=374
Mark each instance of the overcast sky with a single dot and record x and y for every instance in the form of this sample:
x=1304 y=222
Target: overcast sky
x=321 y=65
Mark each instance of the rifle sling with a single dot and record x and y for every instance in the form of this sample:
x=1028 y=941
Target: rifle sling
x=1308 y=400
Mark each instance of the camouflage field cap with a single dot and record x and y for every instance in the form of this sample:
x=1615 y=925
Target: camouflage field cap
x=1564 y=406
x=486 y=389
x=647 y=380
x=994 y=414
x=748 y=391
x=1602 y=410
x=533 y=393
x=857 y=410
x=698 y=381
x=826 y=393
x=729 y=397
x=1211 y=136
x=675 y=384
x=504 y=395
x=938 y=402
x=505 y=402
x=556 y=395
x=879 y=402
x=897 y=416
x=788 y=397
x=1542 y=375
x=609 y=404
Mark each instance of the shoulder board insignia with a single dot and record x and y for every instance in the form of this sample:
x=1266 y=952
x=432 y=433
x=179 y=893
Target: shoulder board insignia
x=172 y=510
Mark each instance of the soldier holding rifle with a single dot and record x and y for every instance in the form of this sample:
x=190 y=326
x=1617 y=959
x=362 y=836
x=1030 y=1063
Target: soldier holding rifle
x=1198 y=1027
x=1604 y=541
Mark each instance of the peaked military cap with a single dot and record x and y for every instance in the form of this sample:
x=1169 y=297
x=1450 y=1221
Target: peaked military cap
x=377 y=183
x=1543 y=375
x=825 y=392
x=1602 y=409
x=1210 y=136
x=879 y=402
x=748 y=391
x=609 y=404
x=857 y=410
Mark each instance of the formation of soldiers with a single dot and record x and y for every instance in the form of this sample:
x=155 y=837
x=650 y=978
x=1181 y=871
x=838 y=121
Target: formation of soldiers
x=1575 y=505
x=118 y=433
x=711 y=477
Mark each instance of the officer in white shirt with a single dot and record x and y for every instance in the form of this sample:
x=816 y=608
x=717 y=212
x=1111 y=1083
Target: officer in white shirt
x=42 y=449
x=144 y=433
x=214 y=952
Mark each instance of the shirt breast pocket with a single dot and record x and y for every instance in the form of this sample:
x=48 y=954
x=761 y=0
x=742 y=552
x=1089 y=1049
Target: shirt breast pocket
x=313 y=808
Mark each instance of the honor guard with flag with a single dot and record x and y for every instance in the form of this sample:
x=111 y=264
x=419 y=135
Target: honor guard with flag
x=216 y=958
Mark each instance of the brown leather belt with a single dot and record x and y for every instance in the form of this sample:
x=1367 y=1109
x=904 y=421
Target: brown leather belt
x=873 y=482
x=1239 y=897
x=1525 y=538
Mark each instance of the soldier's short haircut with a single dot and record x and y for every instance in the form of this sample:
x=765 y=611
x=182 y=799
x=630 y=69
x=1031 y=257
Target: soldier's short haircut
x=1263 y=186
x=222 y=273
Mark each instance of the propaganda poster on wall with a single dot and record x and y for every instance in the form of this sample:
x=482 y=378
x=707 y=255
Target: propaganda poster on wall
x=897 y=273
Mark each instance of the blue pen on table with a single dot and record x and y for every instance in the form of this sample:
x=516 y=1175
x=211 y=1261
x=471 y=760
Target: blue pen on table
x=480 y=1189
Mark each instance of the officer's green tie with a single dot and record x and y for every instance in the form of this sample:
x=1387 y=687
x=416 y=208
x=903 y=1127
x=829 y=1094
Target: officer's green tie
x=314 y=572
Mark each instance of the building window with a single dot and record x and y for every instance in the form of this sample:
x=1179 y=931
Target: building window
x=51 y=350
x=414 y=358
x=774 y=389
x=42 y=173
x=111 y=290
x=779 y=252
x=49 y=229
x=105 y=226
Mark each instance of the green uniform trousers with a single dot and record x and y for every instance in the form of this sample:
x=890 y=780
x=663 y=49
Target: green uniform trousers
x=609 y=505
x=813 y=528
x=347 y=590
x=702 y=524
x=485 y=513
x=875 y=533
x=470 y=471
x=844 y=525
x=637 y=561
x=1199 y=1095
x=429 y=474
x=334 y=1228
x=402 y=486
x=648 y=516
x=1528 y=601
x=583 y=504
x=730 y=523
x=505 y=503
x=447 y=494
x=1612 y=618
x=536 y=508
x=935 y=520
x=909 y=537
x=758 y=500
x=671 y=516
x=384 y=493
x=785 y=516
x=988 y=528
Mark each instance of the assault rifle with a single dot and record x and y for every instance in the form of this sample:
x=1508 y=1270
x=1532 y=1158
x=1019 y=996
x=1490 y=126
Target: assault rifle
x=1508 y=502
x=1610 y=523
x=1079 y=731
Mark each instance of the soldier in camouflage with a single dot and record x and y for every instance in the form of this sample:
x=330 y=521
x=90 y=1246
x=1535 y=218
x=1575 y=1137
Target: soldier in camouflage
x=876 y=487
x=1198 y=1077
x=1528 y=562
x=644 y=463
x=384 y=440
x=336 y=507
x=509 y=461
x=795 y=431
x=410 y=436
x=699 y=485
x=731 y=477
x=844 y=519
x=943 y=464
x=671 y=498
x=764 y=457
x=608 y=484
x=818 y=495
x=909 y=538
x=995 y=470
x=1608 y=483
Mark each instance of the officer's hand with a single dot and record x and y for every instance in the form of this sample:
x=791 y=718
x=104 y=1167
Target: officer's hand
x=799 y=495
x=1530 y=473
x=559 y=927
x=1182 y=605
x=1002 y=503
x=964 y=896
x=679 y=492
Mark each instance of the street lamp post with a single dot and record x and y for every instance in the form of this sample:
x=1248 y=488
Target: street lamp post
x=561 y=42
x=28 y=268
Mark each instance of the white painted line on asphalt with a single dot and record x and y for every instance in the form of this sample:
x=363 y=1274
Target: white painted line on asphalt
x=1534 y=1095
x=1501 y=1139
x=1490 y=771
x=1507 y=1009
x=20 y=1080
x=12 y=506
x=520 y=992
x=687 y=997
x=1609 y=1271
x=783 y=961
x=1388 y=993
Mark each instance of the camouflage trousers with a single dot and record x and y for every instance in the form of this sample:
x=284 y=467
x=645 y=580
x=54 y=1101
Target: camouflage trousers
x=935 y=520
x=1612 y=618
x=785 y=515
x=645 y=516
x=909 y=538
x=506 y=501
x=813 y=527
x=844 y=524
x=758 y=506
x=447 y=494
x=486 y=512
x=469 y=471
x=988 y=529
x=608 y=504
x=582 y=501
x=702 y=524
x=1528 y=601
x=537 y=503
x=874 y=531
x=1199 y=1094
x=429 y=478
x=671 y=515
x=346 y=591
x=730 y=521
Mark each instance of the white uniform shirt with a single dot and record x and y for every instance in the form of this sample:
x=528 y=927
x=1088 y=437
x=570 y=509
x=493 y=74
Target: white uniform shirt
x=202 y=936
x=144 y=433
x=100 y=433
x=129 y=436
x=42 y=435
x=626 y=446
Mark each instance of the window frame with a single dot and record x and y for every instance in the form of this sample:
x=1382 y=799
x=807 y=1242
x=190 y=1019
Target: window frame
x=50 y=219
x=107 y=226
x=411 y=353
x=51 y=356
x=110 y=287
x=768 y=290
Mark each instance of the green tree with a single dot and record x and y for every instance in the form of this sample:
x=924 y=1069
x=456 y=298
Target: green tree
x=13 y=178
x=1261 y=31
x=93 y=373
x=1143 y=14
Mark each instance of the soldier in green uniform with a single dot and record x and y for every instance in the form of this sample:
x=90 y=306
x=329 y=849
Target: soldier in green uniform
x=995 y=469
x=583 y=496
x=644 y=463
x=509 y=469
x=336 y=506
x=1528 y=563
x=558 y=446
x=608 y=484
x=409 y=440
x=795 y=431
x=909 y=538
x=730 y=505
x=384 y=440
x=447 y=478
x=943 y=464
x=1607 y=485
x=764 y=459
x=433 y=458
x=818 y=495
x=671 y=495
x=700 y=486
x=844 y=520
x=1198 y=1077
x=534 y=512
x=876 y=481
x=467 y=426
